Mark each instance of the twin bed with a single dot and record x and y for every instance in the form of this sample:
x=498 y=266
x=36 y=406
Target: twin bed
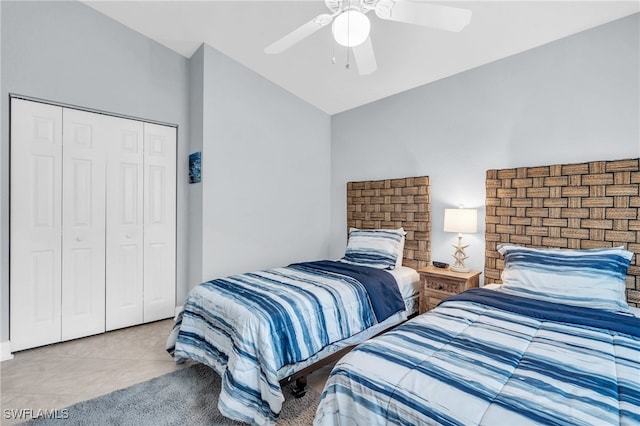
x=264 y=329
x=508 y=356
x=557 y=341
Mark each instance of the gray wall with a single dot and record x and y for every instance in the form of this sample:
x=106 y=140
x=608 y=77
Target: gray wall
x=67 y=52
x=265 y=195
x=196 y=122
x=266 y=173
x=573 y=100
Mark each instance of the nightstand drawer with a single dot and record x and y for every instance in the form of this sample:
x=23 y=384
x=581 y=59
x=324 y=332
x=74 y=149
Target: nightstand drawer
x=445 y=285
x=435 y=294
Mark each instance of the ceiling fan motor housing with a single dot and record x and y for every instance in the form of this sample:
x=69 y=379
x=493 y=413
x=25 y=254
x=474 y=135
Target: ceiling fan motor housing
x=363 y=6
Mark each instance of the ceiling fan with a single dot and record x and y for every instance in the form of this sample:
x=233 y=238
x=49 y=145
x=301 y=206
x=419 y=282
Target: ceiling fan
x=351 y=26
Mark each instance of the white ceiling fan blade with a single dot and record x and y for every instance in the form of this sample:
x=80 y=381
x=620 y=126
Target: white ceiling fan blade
x=365 y=58
x=429 y=15
x=299 y=34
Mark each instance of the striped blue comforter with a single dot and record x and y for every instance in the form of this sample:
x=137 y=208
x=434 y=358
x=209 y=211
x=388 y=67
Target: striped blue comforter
x=490 y=358
x=248 y=326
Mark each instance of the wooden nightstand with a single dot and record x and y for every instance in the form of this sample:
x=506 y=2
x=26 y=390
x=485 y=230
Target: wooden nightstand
x=437 y=284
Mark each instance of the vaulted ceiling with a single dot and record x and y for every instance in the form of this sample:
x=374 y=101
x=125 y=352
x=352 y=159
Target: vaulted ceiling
x=407 y=55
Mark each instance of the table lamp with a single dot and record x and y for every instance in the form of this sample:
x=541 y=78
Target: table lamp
x=465 y=221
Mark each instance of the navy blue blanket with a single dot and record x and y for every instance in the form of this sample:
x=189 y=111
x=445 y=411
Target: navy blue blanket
x=382 y=288
x=558 y=312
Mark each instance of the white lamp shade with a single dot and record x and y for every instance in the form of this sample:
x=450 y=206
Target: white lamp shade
x=464 y=221
x=351 y=28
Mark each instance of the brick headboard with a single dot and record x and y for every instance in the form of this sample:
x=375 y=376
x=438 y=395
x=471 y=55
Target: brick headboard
x=391 y=204
x=578 y=206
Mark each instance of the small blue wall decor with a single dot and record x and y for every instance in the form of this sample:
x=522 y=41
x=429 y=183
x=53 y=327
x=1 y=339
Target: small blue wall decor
x=195 y=174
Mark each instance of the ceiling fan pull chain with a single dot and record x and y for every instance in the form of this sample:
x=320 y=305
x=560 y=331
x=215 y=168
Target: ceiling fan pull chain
x=347 y=66
x=348 y=35
x=333 y=51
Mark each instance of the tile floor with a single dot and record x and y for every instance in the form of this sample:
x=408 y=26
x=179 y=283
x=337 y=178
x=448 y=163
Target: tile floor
x=56 y=376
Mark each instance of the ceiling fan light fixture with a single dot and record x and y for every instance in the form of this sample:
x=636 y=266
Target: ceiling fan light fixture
x=351 y=28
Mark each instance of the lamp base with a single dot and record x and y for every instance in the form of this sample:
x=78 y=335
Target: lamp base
x=460 y=257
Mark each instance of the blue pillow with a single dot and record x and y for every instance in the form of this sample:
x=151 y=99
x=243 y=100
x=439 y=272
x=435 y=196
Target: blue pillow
x=592 y=278
x=377 y=248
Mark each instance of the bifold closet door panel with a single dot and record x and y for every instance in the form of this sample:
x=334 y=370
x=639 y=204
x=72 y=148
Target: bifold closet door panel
x=36 y=224
x=83 y=223
x=125 y=224
x=159 y=222
x=93 y=223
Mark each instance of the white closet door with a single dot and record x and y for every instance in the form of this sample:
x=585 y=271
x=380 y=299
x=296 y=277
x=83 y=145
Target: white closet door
x=160 y=222
x=35 y=248
x=83 y=224
x=124 y=223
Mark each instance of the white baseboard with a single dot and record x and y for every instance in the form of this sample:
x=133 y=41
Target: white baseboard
x=5 y=351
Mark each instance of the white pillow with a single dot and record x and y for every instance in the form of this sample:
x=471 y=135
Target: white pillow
x=377 y=248
x=408 y=280
x=592 y=278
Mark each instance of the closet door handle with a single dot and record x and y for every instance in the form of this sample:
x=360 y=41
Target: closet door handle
x=127 y=236
x=78 y=239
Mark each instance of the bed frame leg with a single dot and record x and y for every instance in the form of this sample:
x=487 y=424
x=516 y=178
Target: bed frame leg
x=299 y=390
